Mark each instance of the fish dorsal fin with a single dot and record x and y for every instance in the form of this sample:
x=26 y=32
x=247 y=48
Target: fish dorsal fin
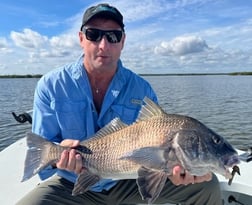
x=113 y=126
x=149 y=109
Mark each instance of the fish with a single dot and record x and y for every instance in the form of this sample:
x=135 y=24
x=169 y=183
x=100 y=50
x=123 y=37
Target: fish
x=146 y=150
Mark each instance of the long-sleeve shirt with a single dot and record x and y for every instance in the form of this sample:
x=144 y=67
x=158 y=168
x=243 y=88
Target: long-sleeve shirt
x=64 y=107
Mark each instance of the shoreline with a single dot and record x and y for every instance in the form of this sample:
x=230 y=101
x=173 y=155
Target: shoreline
x=143 y=74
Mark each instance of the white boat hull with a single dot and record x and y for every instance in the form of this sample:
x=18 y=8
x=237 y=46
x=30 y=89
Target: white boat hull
x=12 y=163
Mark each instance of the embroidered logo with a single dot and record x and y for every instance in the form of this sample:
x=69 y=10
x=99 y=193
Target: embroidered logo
x=136 y=102
x=115 y=93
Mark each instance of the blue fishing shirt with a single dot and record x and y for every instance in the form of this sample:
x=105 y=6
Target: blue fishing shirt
x=64 y=108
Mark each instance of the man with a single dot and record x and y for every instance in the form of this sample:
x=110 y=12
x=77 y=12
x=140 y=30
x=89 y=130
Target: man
x=74 y=102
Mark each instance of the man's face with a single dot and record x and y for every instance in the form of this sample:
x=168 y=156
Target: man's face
x=101 y=55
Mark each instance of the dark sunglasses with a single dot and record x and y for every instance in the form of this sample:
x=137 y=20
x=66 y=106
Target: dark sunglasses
x=94 y=34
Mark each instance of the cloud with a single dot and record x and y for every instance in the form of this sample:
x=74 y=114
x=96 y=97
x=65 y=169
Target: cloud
x=3 y=43
x=185 y=54
x=4 y=48
x=64 y=41
x=64 y=45
x=53 y=53
x=141 y=10
x=42 y=46
x=159 y=38
x=138 y=10
x=181 y=46
x=28 y=39
x=37 y=53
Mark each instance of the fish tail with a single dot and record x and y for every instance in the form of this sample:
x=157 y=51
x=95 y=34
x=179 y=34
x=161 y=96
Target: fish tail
x=38 y=155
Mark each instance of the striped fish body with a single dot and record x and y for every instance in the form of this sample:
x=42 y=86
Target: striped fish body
x=146 y=150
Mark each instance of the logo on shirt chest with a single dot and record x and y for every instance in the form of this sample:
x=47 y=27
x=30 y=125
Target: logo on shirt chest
x=115 y=93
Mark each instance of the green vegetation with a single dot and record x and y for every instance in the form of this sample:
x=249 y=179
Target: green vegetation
x=168 y=74
x=241 y=73
x=21 y=76
x=194 y=74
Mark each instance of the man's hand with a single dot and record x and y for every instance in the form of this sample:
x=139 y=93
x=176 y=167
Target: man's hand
x=182 y=177
x=70 y=160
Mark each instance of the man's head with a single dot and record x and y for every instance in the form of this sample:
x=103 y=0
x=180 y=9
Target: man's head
x=103 y=11
x=102 y=38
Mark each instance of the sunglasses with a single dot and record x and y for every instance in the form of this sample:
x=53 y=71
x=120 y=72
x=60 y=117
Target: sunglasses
x=94 y=34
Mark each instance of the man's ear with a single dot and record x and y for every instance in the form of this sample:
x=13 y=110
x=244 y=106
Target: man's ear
x=123 y=40
x=81 y=38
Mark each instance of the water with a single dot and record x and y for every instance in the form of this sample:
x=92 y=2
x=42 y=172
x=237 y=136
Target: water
x=223 y=103
x=16 y=95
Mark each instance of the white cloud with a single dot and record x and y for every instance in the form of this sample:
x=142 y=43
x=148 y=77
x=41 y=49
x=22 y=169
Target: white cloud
x=64 y=41
x=159 y=39
x=4 y=47
x=28 y=39
x=3 y=43
x=53 y=53
x=182 y=46
x=185 y=54
x=138 y=10
x=36 y=53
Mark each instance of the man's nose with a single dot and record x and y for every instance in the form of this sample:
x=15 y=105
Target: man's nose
x=104 y=42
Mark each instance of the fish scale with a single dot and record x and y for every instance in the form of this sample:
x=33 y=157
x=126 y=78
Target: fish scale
x=146 y=150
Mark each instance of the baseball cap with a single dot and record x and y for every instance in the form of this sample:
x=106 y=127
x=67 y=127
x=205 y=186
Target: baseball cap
x=103 y=10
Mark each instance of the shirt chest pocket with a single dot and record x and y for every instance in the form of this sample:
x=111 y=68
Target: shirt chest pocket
x=127 y=115
x=72 y=116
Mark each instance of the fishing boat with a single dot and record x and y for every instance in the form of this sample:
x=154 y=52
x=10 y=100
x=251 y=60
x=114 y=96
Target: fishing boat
x=12 y=189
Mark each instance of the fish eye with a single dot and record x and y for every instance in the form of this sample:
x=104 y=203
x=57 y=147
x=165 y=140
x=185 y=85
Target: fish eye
x=216 y=139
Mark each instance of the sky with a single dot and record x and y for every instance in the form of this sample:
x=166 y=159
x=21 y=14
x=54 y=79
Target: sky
x=162 y=36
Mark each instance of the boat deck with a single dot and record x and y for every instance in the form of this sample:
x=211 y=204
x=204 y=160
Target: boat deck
x=12 y=160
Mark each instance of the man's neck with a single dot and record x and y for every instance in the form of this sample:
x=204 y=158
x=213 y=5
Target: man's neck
x=99 y=82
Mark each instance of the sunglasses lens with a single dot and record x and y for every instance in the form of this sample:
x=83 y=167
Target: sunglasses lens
x=93 y=34
x=113 y=36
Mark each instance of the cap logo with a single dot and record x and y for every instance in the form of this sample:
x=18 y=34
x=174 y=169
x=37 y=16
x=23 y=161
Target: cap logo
x=105 y=8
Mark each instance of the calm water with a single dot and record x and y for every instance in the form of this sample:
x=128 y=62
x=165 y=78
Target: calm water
x=224 y=103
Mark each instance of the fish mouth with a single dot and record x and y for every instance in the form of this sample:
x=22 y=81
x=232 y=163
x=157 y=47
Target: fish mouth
x=230 y=162
x=228 y=174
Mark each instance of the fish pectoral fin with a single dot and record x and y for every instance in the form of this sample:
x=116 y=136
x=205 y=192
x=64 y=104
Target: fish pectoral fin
x=151 y=157
x=150 y=183
x=84 y=181
x=83 y=149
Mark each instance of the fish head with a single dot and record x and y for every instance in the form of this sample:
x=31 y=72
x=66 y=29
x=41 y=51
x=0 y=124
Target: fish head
x=200 y=150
